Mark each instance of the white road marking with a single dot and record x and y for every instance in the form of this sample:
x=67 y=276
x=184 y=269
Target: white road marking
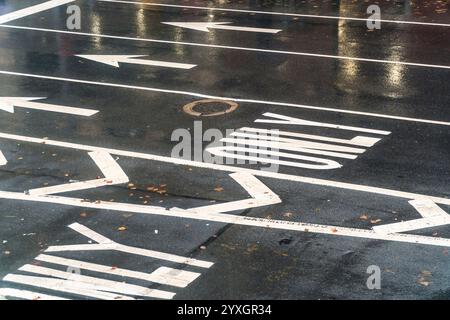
x=107 y=244
x=8 y=103
x=111 y=170
x=356 y=141
x=28 y=295
x=261 y=196
x=225 y=168
x=281 y=119
x=433 y=216
x=100 y=284
x=114 y=60
x=207 y=26
x=214 y=217
x=3 y=160
x=306 y=54
x=32 y=10
x=278 y=13
x=199 y=95
x=68 y=286
x=163 y=275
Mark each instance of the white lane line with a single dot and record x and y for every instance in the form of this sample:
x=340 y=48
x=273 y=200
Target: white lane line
x=3 y=160
x=114 y=60
x=206 y=26
x=204 y=96
x=111 y=170
x=28 y=295
x=32 y=10
x=107 y=244
x=218 y=217
x=8 y=104
x=100 y=284
x=163 y=275
x=433 y=216
x=278 y=13
x=306 y=54
x=227 y=168
x=68 y=286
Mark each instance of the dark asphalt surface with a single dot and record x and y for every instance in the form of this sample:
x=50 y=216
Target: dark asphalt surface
x=249 y=262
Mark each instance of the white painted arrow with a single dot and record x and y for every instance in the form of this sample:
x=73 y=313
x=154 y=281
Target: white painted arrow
x=3 y=160
x=114 y=60
x=8 y=103
x=206 y=26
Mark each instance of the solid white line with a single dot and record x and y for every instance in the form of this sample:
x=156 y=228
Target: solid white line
x=227 y=168
x=222 y=218
x=68 y=286
x=32 y=10
x=28 y=295
x=411 y=64
x=170 y=277
x=100 y=284
x=107 y=244
x=3 y=160
x=278 y=13
x=204 y=96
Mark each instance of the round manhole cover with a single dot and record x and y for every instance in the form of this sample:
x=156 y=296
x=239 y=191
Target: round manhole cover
x=210 y=108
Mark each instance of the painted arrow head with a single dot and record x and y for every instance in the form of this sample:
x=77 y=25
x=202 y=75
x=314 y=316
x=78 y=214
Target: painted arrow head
x=7 y=103
x=199 y=26
x=111 y=60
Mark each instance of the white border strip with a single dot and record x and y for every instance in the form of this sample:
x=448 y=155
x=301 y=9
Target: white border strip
x=205 y=96
x=277 y=13
x=32 y=10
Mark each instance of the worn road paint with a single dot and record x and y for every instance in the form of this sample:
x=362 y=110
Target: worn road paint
x=111 y=170
x=207 y=26
x=163 y=275
x=200 y=95
x=114 y=60
x=278 y=13
x=32 y=10
x=8 y=103
x=107 y=244
x=225 y=168
x=306 y=54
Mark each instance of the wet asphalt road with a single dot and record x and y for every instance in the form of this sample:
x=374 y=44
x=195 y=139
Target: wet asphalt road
x=249 y=262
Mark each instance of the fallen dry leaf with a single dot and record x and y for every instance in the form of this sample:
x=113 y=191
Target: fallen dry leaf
x=375 y=221
x=218 y=189
x=122 y=228
x=364 y=217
